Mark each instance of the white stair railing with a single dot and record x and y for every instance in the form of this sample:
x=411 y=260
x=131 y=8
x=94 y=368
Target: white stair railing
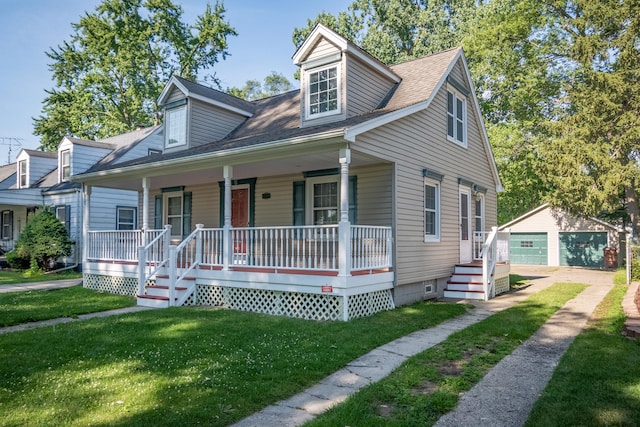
x=153 y=255
x=489 y=260
x=184 y=258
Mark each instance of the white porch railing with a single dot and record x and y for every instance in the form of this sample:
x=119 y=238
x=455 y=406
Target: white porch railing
x=371 y=247
x=152 y=256
x=495 y=250
x=118 y=245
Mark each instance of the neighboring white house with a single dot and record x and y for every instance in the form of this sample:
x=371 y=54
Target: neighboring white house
x=551 y=236
x=361 y=191
x=40 y=179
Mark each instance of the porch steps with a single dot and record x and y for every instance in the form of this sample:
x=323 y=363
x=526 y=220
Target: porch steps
x=157 y=295
x=465 y=282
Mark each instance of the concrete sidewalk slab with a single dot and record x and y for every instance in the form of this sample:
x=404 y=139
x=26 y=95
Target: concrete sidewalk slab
x=40 y=286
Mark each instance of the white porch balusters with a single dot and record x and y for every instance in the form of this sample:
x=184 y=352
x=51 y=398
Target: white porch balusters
x=86 y=220
x=145 y=208
x=227 y=250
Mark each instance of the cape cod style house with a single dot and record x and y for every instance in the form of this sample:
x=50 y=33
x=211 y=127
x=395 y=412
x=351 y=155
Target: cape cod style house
x=361 y=191
x=41 y=178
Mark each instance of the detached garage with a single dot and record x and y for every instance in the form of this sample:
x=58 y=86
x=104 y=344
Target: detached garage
x=549 y=236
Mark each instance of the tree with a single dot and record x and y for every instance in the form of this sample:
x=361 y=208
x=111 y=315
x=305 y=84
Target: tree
x=43 y=240
x=109 y=75
x=274 y=84
x=592 y=157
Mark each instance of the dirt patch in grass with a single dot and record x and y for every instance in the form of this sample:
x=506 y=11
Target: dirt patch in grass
x=451 y=368
x=385 y=409
x=425 y=387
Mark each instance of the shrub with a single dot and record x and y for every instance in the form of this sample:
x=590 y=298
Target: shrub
x=42 y=242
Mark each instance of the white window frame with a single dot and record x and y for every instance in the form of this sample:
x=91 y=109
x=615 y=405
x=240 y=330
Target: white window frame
x=435 y=210
x=338 y=110
x=61 y=214
x=453 y=137
x=169 y=119
x=7 y=225
x=478 y=216
x=65 y=168
x=165 y=214
x=310 y=210
x=120 y=223
x=23 y=174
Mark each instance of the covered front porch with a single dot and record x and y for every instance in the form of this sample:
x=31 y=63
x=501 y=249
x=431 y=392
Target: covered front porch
x=335 y=272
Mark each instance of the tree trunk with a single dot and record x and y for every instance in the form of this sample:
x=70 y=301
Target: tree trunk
x=632 y=208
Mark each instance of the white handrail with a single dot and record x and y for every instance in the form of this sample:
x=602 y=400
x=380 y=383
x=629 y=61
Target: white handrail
x=488 y=256
x=153 y=256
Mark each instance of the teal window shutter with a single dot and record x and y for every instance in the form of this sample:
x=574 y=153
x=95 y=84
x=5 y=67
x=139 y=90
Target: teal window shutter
x=298 y=202
x=186 y=214
x=353 y=199
x=157 y=214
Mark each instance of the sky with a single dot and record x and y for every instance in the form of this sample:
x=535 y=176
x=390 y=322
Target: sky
x=29 y=28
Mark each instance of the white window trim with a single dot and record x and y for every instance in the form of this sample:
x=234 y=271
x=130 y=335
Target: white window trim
x=62 y=165
x=165 y=211
x=479 y=198
x=457 y=95
x=432 y=237
x=307 y=109
x=26 y=174
x=309 y=195
x=168 y=123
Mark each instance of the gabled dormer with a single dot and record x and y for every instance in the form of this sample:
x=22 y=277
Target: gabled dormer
x=195 y=114
x=32 y=165
x=339 y=80
x=77 y=155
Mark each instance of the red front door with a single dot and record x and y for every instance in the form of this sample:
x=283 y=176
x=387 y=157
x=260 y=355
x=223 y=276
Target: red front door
x=240 y=215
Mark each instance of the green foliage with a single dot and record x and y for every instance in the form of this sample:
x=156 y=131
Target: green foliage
x=274 y=84
x=635 y=263
x=42 y=242
x=109 y=75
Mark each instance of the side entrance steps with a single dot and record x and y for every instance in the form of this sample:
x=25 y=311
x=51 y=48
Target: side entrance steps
x=466 y=282
x=157 y=296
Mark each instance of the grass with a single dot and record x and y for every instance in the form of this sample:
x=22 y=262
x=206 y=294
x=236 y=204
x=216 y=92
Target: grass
x=620 y=277
x=8 y=277
x=597 y=381
x=427 y=385
x=182 y=366
x=32 y=306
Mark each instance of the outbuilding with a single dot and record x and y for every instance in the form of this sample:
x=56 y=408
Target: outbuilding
x=554 y=237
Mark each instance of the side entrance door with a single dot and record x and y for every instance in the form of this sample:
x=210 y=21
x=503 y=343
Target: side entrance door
x=465 y=226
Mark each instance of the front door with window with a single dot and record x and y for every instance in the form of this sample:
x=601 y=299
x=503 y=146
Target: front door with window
x=240 y=216
x=465 y=226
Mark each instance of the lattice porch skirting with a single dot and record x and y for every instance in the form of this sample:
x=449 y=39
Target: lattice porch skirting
x=294 y=304
x=502 y=285
x=113 y=284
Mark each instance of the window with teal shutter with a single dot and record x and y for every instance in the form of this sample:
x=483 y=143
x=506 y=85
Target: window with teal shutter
x=157 y=214
x=298 y=202
x=353 y=199
x=186 y=214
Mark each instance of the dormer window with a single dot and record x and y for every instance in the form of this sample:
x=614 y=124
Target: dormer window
x=456 y=117
x=175 y=124
x=323 y=95
x=65 y=165
x=22 y=174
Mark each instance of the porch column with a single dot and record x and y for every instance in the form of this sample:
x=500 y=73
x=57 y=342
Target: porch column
x=227 y=244
x=86 y=220
x=145 y=203
x=344 y=227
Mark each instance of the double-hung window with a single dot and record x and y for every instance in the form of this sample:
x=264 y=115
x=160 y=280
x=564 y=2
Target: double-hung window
x=126 y=218
x=325 y=201
x=63 y=213
x=323 y=92
x=431 y=210
x=7 y=225
x=173 y=212
x=176 y=126
x=65 y=165
x=456 y=117
x=22 y=174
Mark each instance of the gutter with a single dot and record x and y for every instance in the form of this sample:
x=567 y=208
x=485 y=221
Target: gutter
x=255 y=149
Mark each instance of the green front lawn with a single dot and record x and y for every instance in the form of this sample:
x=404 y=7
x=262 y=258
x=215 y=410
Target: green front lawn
x=182 y=366
x=8 y=277
x=32 y=306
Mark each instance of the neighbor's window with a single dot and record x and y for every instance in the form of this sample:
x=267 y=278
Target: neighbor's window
x=431 y=210
x=456 y=118
x=323 y=92
x=22 y=174
x=126 y=218
x=7 y=225
x=63 y=213
x=176 y=126
x=65 y=165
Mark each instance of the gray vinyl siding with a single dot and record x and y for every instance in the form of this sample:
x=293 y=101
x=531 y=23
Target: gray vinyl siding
x=23 y=196
x=175 y=95
x=83 y=157
x=365 y=88
x=154 y=141
x=412 y=148
x=209 y=123
x=37 y=167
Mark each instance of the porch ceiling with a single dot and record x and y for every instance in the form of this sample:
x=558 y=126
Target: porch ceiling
x=188 y=175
